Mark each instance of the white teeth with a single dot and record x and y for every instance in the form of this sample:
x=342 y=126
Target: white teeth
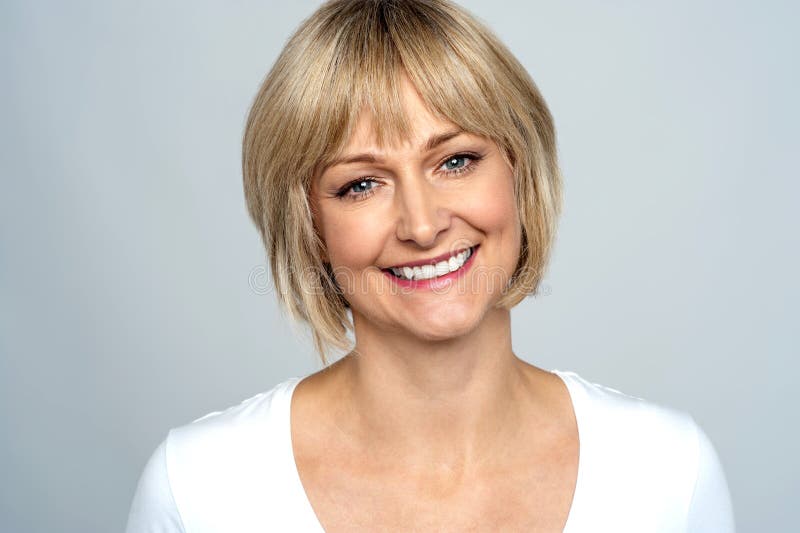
x=430 y=271
x=453 y=264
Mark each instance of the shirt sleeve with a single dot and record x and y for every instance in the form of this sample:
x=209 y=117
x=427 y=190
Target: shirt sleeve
x=153 y=509
x=710 y=509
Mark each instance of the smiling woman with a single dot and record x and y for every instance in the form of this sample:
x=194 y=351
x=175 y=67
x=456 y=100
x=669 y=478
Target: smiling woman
x=401 y=167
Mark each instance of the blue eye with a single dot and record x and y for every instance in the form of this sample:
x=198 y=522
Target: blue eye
x=454 y=161
x=361 y=186
x=358 y=188
x=458 y=164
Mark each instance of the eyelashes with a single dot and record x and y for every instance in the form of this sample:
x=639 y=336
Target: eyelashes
x=362 y=188
x=345 y=192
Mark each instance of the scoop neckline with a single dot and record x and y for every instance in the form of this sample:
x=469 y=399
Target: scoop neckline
x=567 y=377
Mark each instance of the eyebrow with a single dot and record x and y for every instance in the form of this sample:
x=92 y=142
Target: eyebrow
x=430 y=144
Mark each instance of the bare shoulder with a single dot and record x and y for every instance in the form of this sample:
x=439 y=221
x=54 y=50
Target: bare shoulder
x=552 y=399
x=313 y=415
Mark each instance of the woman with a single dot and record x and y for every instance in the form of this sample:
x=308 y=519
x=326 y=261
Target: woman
x=401 y=167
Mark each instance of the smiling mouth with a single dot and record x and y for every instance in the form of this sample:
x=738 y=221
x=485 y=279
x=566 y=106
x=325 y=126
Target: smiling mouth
x=442 y=268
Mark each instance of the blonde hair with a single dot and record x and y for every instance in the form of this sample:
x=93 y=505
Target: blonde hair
x=348 y=56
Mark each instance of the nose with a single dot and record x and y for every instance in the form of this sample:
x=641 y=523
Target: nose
x=422 y=213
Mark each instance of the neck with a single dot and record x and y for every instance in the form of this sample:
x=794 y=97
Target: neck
x=448 y=403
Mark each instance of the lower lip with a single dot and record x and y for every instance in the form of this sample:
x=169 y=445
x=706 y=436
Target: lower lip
x=435 y=283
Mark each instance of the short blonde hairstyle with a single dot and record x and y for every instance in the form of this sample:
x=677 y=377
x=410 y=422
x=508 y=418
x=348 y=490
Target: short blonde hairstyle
x=348 y=57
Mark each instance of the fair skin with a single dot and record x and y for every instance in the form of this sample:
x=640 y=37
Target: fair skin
x=432 y=423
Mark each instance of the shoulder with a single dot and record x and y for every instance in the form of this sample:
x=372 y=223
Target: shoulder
x=153 y=507
x=644 y=453
x=624 y=416
x=231 y=434
x=235 y=446
x=224 y=469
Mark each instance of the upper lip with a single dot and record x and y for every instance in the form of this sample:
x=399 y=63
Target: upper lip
x=433 y=260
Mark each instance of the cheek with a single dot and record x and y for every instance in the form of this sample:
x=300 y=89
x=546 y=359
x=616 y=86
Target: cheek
x=493 y=208
x=353 y=238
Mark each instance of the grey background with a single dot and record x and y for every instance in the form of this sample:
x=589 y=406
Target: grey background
x=126 y=302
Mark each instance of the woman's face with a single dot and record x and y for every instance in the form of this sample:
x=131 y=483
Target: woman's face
x=435 y=195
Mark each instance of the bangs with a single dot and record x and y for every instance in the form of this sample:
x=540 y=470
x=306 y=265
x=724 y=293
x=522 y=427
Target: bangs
x=371 y=49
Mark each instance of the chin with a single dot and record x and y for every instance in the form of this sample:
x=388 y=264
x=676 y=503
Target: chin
x=442 y=328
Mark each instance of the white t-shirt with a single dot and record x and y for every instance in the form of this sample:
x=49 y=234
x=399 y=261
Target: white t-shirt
x=642 y=468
